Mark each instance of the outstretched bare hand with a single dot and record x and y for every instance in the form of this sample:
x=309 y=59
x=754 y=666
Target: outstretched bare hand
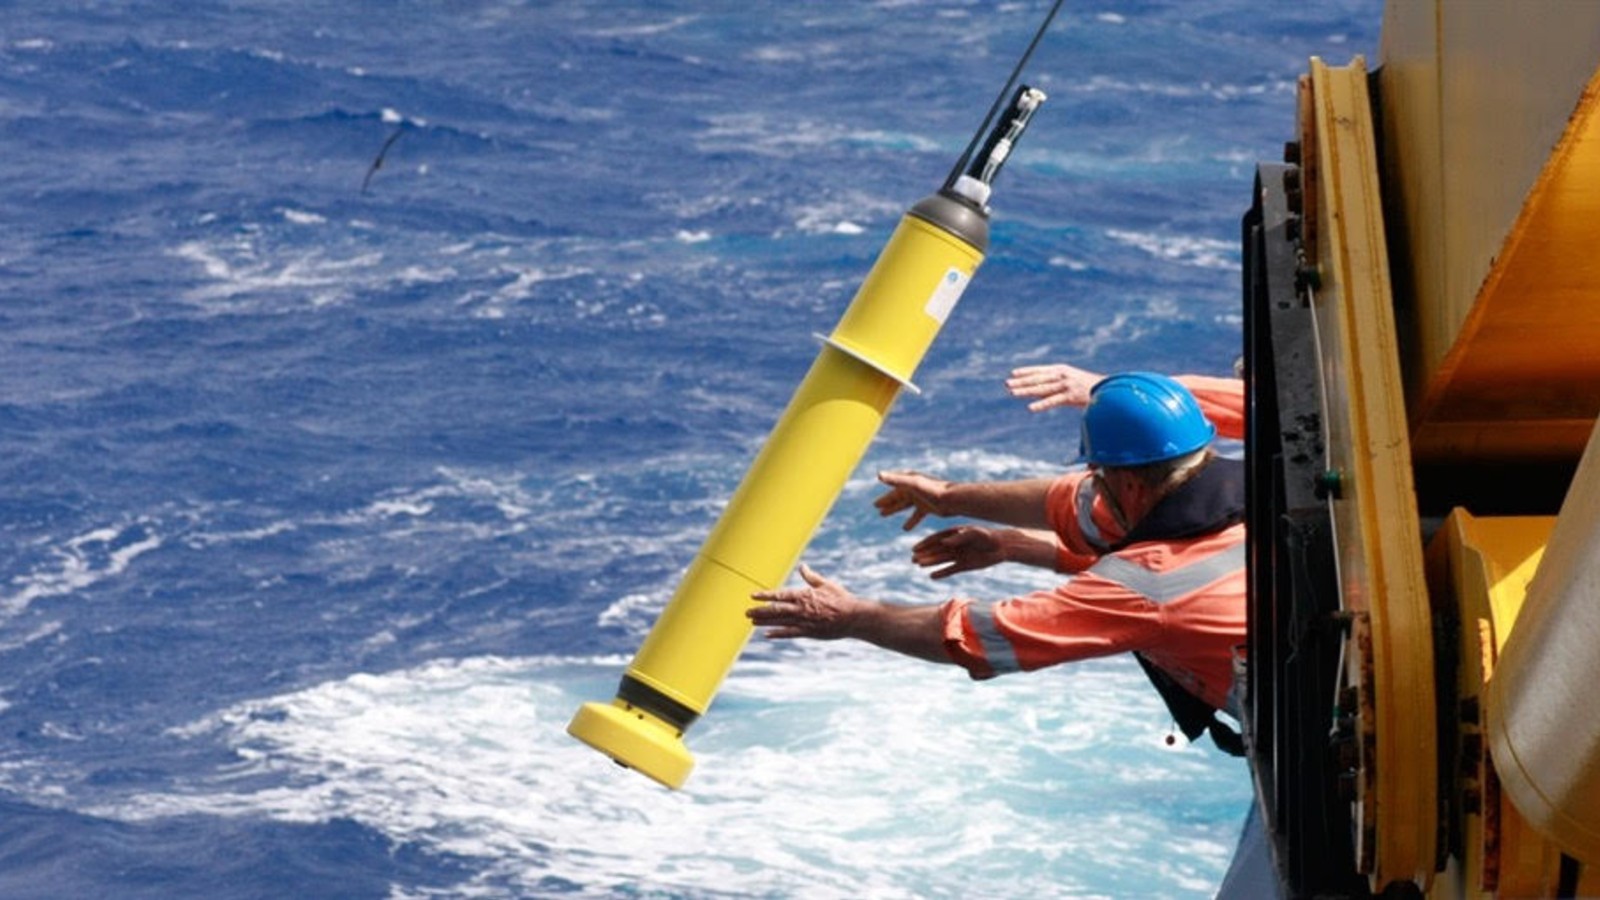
x=921 y=494
x=1057 y=384
x=965 y=548
x=822 y=610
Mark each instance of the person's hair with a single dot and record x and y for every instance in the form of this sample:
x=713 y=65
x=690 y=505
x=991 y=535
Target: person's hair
x=1165 y=475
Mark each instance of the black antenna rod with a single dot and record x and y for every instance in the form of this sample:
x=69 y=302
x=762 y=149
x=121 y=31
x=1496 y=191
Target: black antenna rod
x=1000 y=99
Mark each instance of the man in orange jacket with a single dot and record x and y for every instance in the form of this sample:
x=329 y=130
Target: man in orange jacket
x=1151 y=532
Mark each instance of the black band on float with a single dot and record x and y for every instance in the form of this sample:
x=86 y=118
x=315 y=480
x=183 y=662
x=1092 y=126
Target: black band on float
x=636 y=693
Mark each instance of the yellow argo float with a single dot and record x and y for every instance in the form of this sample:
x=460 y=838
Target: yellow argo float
x=789 y=488
x=815 y=446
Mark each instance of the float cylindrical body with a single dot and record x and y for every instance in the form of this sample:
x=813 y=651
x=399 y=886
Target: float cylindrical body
x=1544 y=736
x=803 y=466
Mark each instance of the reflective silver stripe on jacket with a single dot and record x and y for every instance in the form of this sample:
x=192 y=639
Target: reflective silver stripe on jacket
x=1162 y=587
x=1159 y=587
x=997 y=650
x=1086 y=525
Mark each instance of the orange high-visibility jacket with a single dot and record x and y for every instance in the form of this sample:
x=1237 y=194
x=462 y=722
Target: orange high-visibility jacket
x=1172 y=591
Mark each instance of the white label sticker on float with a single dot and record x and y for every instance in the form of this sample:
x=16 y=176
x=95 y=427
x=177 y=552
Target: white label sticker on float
x=946 y=294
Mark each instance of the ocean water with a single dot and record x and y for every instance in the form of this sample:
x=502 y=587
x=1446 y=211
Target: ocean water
x=328 y=494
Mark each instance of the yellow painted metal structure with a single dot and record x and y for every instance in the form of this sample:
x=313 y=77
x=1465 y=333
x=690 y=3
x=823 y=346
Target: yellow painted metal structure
x=1479 y=569
x=1482 y=572
x=1492 y=161
x=1389 y=656
x=783 y=498
x=1477 y=354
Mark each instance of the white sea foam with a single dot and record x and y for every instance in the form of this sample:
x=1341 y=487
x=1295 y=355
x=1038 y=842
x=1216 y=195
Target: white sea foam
x=1121 y=327
x=301 y=217
x=80 y=562
x=645 y=30
x=46 y=630
x=1104 y=84
x=240 y=272
x=202 y=539
x=826 y=770
x=257 y=271
x=780 y=134
x=633 y=612
x=524 y=283
x=840 y=214
x=1201 y=252
x=823 y=769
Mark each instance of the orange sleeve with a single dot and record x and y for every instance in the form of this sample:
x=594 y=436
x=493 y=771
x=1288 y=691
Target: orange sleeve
x=961 y=642
x=1222 y=401
x=1084 y=618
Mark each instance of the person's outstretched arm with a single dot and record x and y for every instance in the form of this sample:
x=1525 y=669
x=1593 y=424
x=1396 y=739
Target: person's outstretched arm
x=1020 y=504
x=968 y=548
x=1053 y=385
x=824 y=610
x=1060 y=384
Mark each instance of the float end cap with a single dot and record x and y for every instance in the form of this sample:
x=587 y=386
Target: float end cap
x=635 y=739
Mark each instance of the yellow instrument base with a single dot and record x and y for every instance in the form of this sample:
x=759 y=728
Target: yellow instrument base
x=634 y=739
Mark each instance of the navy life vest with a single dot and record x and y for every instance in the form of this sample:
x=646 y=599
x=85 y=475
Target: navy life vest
x=1208 y=502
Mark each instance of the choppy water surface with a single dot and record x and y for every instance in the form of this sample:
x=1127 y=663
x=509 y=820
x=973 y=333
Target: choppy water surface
x=323 y=508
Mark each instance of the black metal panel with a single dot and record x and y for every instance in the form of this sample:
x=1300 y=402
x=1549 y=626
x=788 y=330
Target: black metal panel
x=1295 y=637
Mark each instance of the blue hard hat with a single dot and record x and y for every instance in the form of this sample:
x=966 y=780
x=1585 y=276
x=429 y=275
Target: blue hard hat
x=1136 y=418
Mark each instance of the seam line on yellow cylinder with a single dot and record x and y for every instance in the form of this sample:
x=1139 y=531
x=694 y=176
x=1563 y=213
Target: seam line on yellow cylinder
x=739 y=572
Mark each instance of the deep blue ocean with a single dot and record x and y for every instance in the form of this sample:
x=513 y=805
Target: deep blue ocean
x=327 y=495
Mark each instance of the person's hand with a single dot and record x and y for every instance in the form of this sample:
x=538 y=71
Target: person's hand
x=1057 y=384
x=964 y=548
x=923 y=495
x=822 y=610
